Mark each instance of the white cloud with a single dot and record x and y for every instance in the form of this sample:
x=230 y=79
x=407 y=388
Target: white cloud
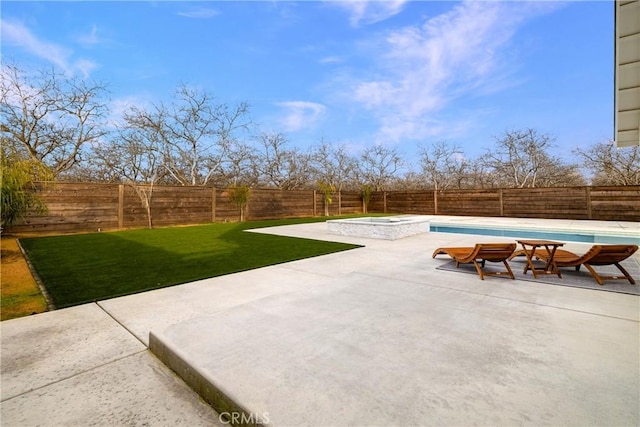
x=420 y=70
x=331 y=60
x=200 y=13
x=301 y=114
x=119 y=106
x=84 y=66
x=370 y=11
x=91 y=38
x=17 y=34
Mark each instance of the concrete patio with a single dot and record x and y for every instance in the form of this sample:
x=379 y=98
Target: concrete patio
x=371 y=336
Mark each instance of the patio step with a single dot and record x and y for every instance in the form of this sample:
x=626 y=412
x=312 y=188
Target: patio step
x=186 y=367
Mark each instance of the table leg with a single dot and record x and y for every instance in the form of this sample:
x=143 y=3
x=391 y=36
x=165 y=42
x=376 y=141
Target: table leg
x=529 y=265
x=551 y=266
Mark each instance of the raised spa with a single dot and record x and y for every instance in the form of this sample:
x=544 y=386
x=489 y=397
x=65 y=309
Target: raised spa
x=387 y=228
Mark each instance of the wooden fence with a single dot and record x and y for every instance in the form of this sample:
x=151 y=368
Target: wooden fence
x=74 y=207
x=595 y=203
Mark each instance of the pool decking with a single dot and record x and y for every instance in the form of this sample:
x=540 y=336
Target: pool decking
x=372 y=336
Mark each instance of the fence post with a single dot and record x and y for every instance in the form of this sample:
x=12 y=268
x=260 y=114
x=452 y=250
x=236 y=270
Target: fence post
x=435 y=202
x=339 y=202
x=213 y=204
x=246 y=209
x=587 y=191
x=120 y=206
x=315 y=208
x=384 y=201
x=501 y=203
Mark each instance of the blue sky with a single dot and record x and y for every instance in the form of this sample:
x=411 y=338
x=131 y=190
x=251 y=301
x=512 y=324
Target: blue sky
x=359 y=73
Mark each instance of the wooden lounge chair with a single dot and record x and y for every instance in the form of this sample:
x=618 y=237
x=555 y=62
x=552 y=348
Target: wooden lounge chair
x=597 y=255
x=492 y=252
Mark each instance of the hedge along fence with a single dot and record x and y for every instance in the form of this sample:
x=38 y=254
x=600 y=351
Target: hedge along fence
x=76 y=207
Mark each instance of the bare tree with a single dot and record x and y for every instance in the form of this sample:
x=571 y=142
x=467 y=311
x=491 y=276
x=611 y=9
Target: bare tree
x=444 y=165
x=50 y=117
x=145 y=193
x=610 y=165
x=195 y=131
x=282 y=167
x=480 y=176
x=521 y=159
x=332 y=165
x=239 y=168
x=133 y=155
x=378 y=166
x=411 y=180
x=333 y=168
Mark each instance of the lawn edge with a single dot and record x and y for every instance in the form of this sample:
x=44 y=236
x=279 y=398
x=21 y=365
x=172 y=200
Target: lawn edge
x=50 y=305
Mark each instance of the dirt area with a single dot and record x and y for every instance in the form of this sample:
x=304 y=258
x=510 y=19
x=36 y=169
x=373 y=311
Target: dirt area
x=19 y=292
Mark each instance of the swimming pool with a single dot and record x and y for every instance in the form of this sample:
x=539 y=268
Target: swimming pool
x=583 y=237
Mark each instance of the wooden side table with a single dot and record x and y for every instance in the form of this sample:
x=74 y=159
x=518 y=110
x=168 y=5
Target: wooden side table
x=530 y=247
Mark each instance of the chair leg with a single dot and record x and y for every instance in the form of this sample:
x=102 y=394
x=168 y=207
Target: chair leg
x=594 y=274
x=482 y=273
x=478 y=269
x=601 y=279
x=509 y=269
x=626 y=274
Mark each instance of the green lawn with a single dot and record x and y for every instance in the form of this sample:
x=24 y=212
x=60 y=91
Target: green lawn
x=81 y=268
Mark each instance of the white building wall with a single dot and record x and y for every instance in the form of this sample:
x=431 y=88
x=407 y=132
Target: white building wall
x=627 y=81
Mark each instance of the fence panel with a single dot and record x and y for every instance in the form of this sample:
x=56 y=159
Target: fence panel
x=615 y=203
x=169 y=206
x=377 y=202
x=73 y=207
x=225 y=209
x=561 y=203
x=411 y=202
x=350 y=203
x=76 y=207
x=469 y=202
x=342 y=203
x=273 y=204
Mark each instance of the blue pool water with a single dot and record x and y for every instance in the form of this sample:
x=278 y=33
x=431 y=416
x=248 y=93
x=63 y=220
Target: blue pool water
x=538 y=234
